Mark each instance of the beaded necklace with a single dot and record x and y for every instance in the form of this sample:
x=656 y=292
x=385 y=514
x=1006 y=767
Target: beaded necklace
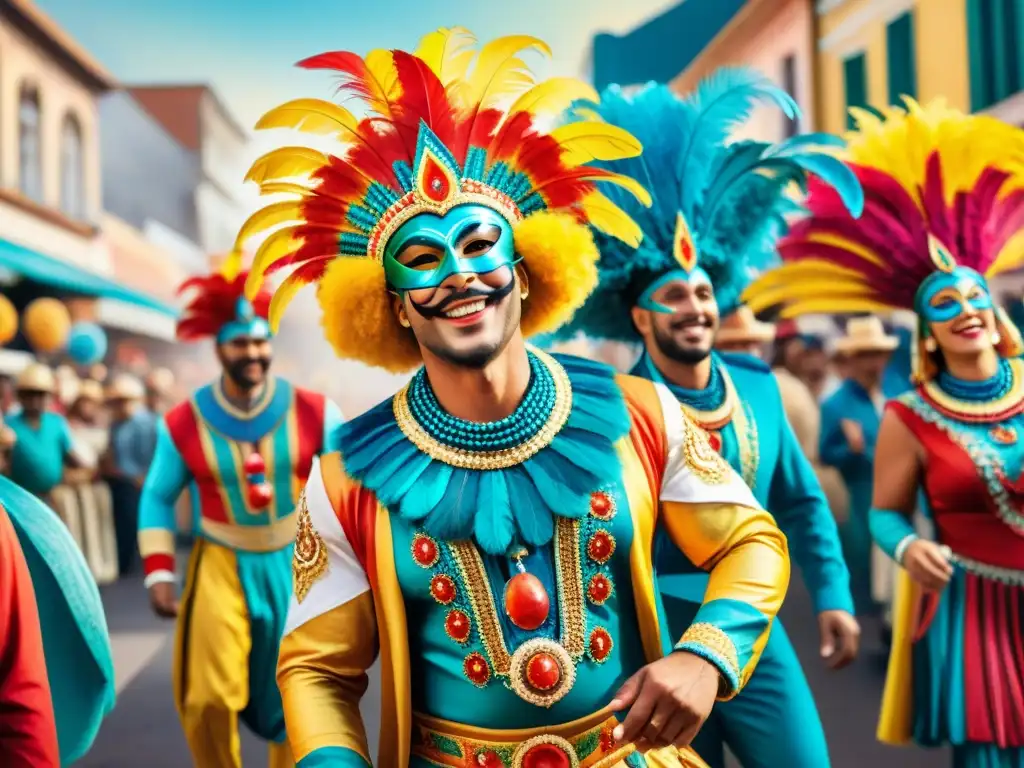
x=990 y=401
x=528 y=419
x=979 y=391
x=707 y=399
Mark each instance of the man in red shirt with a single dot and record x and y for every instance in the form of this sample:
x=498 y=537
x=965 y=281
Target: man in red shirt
x=28 y=732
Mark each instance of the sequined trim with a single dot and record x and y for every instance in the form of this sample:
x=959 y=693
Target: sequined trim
x=309 y=561
x=569 y=574
x=716 y=644
x=519 y=673
x=481 y=602
x=978 y=412
x=703 y=460
x=1009 y=576
x=491 y=460
x=985 y=459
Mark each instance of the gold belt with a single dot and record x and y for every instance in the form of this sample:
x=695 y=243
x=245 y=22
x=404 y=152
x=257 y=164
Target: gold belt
x=251 y=538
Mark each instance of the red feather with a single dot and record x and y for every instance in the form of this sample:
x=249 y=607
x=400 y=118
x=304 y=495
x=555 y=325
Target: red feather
x=424 y=100
x=215 y=304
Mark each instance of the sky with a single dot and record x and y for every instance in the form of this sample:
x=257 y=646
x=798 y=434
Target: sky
x=246 y=49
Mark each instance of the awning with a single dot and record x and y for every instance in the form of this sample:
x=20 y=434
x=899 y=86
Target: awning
x=47 y=270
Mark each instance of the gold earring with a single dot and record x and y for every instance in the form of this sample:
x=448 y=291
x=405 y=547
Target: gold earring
x=930 y=345
x=524 y=295
x=404 y=321
x=996 y=338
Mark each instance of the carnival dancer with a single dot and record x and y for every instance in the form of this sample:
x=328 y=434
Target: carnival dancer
x=490 y=527
x=717 y=211
x=56 y=665
x=244 y=445
x=944 y=211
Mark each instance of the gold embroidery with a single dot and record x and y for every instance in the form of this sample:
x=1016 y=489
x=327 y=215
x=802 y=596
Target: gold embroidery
x=569 y=577
x=702 y=459
x=714 y=640
x=309 y=562
x=491 y=460
x=481 y=601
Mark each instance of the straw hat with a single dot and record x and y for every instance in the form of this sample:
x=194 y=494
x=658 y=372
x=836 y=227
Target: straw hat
x=125 y=387
x=36 y=378
x=160 y=380
x=866 y=334
x=90 y=389
x=743 y=327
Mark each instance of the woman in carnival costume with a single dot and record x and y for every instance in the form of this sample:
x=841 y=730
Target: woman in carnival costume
x=490 y=528
x=718 y=209
x=944 y=211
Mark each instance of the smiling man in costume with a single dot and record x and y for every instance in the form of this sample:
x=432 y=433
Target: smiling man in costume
x=490 y=528
x=243 y=445
x=718 y=208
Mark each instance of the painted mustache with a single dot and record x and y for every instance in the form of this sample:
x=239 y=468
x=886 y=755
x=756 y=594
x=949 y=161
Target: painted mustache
x=491 y=297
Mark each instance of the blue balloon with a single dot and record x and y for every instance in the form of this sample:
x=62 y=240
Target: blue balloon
x=87 y=343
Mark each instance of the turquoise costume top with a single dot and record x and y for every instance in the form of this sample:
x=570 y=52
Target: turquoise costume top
x=79 y=661
x=200 y=445
x=37 y=459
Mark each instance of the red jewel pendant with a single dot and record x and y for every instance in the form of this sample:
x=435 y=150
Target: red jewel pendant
x=260 y=495
x=254 y=464
x=715 y=438
x=526 y=601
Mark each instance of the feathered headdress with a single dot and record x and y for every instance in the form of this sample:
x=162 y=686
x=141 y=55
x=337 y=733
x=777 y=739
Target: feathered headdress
x=717 y=205
x=439 y=132
x=218 y=307
x=942 y=190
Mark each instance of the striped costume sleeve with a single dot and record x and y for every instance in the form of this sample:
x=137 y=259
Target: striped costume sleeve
x=165 y=480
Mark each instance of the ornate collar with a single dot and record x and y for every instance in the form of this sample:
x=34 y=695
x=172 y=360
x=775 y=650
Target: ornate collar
x=244 y=426
x=979 y=402
x=712 y=407
x=501 y=483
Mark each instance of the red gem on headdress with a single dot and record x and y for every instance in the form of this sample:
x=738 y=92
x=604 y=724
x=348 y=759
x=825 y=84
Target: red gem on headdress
x=526 y=601
x=436 y=184
x=424 y=550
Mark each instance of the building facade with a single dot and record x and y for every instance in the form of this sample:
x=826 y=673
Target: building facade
x=871 y=52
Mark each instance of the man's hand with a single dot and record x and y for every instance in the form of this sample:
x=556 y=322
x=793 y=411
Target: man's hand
x=668 y=701
x=163 y=600
x=840 y=638
x=927 y=564
x=854 y=435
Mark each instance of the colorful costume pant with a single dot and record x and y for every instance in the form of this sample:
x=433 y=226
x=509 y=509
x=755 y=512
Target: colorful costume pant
x=229 y=627
x=774 y=721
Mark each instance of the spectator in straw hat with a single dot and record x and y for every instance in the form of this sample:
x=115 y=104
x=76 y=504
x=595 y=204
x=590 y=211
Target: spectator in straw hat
x=85 y=416
x=159 y=386
x=743 y=332
x=130 y=452
x=42 y=439
x=849 y=427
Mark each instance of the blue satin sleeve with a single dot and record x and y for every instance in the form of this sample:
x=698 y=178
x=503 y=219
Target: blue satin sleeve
x=167 y=477
x=333 y=421
x=333 y=757
x=798 y=504
x=890 y=529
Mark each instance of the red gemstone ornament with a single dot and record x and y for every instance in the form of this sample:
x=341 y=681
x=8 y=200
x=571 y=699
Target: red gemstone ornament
x=715 y=439
x=600 y=645
x=436 y=183
x=599 y=589
x=546 y=756
x=602 y=506
x=601 y=546
x=442 y=588
x=488 y=758
x=260 y=495
x=475 y=668
x=254 y=464
x=456 y=624
x=424 y=550
x=526 y=601
x=543 y=672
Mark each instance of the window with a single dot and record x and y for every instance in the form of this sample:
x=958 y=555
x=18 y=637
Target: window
x=30 y=170
x=72 y=173
x=855 y=82
x=792 y=125
x=900 y=51
x=995 y=34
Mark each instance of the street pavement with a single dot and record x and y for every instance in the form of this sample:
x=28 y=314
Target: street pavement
x=143 y=730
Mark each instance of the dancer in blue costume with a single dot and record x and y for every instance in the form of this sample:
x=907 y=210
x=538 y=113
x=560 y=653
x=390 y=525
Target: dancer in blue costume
x=79 y=664
x=243 y=446
x=489 y=529
x=718 y=209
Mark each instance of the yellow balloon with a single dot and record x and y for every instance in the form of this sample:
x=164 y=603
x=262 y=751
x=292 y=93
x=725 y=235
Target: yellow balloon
x=47 y=324
x=8 y=320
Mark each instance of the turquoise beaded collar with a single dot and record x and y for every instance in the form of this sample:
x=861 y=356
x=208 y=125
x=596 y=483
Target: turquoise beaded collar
x=499 y=483
x=707 y=399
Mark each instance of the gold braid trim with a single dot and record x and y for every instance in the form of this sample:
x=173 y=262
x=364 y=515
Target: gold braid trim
x=702 y=459
x=309 y=563
x=569 y=576
x=481 y=601
x=718 y=644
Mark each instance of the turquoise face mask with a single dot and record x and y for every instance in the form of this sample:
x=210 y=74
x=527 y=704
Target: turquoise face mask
x=449 y=235
x=693 y=277
x=246 y=323
x=963 y=283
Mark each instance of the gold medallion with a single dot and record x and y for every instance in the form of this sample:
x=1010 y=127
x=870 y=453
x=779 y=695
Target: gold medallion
x=309 y=563
x=542 y=672
x=702 y=459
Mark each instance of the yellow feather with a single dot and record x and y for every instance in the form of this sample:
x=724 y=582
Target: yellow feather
x=232 y=264
x=315 y=116
x=282 y=298
x=275 y=214
x=284 y=188
x=610 y=219
x=286 y=163
x=626 y=182
x=383 y=82
x=582 y=143
x=827 y=238
x=499 y=72
x=275 y=247
x=834 y=306
x=553 y=97
x=448 y=53
x=1010 y=257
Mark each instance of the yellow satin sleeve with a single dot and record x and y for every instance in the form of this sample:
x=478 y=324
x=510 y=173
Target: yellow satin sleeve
x=321 y=672
x=747 y=557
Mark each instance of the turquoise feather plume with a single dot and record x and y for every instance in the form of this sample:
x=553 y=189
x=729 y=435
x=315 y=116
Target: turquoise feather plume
x=736 y=196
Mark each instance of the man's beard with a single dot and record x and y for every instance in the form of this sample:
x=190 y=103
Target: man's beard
x=236 y=371
x=668 y=346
